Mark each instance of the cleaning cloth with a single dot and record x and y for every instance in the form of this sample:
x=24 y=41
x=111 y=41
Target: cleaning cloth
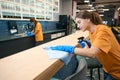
x=56 y=54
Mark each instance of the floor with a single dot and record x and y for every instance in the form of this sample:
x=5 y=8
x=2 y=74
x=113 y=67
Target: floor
x=95 y=75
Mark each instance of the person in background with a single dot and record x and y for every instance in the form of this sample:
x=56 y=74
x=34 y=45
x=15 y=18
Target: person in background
x=37 y=30
x=104 y=45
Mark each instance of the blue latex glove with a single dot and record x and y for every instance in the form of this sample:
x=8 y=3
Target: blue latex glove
x=29 y=33
x=66 y=48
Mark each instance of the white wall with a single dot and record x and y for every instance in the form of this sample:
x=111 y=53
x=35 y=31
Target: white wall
x=74 y=9
x=65 y=8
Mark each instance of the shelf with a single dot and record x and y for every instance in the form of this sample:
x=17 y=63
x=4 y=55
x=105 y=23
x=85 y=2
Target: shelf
x=24 y=9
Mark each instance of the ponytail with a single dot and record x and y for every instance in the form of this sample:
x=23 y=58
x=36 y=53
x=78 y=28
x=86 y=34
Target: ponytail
x=93 y=16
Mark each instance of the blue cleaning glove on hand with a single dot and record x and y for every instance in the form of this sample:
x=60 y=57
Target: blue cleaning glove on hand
x=66 y=48
x=29 y=33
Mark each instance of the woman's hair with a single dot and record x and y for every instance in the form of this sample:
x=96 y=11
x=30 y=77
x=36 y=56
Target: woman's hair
x=93 y=16
x=33 y=20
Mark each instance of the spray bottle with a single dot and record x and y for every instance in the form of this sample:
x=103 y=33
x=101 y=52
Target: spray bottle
x=82 y=42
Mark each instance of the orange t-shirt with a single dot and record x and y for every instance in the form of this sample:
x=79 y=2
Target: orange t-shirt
x=104 y=39
x=39 y=34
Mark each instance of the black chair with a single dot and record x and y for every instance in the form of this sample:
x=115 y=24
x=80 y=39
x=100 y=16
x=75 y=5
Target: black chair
x=93 y=63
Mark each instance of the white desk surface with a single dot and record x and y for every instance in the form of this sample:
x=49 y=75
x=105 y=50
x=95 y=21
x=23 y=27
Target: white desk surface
x=33 y=64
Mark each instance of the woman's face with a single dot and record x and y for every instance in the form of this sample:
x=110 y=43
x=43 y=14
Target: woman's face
x=32 y=22
x=82 y=24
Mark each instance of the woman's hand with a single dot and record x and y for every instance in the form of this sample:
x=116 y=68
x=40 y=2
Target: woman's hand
x=66 y=48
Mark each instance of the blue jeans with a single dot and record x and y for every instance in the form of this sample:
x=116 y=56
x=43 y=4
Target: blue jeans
x=67 y=70
x=108 y=76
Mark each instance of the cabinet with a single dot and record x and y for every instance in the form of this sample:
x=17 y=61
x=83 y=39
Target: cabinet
x=15 y=45
x=16 y=42
x=24 y=9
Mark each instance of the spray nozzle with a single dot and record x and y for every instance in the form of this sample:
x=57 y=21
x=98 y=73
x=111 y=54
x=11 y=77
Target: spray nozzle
x=82 y=42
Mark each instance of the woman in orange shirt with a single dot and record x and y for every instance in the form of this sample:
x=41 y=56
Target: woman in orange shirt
x=104 y=45
x=37 y=31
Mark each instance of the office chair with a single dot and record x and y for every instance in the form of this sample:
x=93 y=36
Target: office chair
x=91 y=64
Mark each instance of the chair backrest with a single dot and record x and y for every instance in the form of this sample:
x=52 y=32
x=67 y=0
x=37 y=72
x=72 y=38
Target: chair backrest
x=93 y=63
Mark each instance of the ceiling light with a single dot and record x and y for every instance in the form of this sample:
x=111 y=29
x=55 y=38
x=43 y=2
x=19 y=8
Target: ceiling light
x=77 y=10
x=91 y=10
x=90 y=5
x=86 y=1
x=100 y=6
x=105 y=9
x=101 y=15
x=118 y=9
